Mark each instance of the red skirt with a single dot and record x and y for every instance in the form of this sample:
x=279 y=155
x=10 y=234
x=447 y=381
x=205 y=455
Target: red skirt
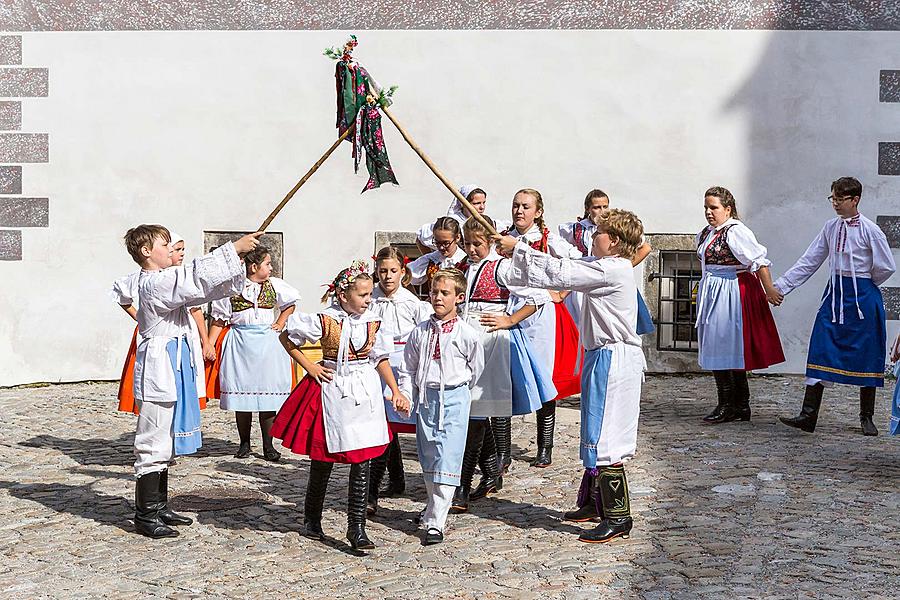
x=126 y=383
x=396 y=428
x=300 y=425
x=566 y=364
x=762 y=346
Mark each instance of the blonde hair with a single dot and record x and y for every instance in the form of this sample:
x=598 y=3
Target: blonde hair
x=144 y=235
x=392 y=253
x=474 y=227
x=623 y=225
x=454 y=275
x=538 y=203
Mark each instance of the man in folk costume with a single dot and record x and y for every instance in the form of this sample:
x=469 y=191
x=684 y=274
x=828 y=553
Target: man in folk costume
x=849 y=335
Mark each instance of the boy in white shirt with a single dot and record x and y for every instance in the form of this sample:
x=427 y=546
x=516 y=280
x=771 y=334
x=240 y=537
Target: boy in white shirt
x=849 y=337
x=442 y=360
x=165 y=387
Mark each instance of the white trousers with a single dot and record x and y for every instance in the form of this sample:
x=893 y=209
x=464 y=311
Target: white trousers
x=440 y=497
x=154 y=440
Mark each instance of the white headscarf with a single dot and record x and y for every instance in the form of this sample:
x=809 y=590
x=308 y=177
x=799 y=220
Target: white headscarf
x=174 y=238
x=456 y=207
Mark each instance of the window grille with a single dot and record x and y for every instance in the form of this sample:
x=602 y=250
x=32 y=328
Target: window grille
x=676 y=309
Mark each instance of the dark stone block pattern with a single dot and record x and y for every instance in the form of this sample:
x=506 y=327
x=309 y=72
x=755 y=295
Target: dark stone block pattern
x=10 y=49
x=889 y=86
x=10 y=115
x=24 y=148
x=891 y=227
x=24 y=212
x=891 y=297
x=10 y=180
x=273 y=240
x=889 y=158
x=23 y=82
x=83 y=15
x=10 y=244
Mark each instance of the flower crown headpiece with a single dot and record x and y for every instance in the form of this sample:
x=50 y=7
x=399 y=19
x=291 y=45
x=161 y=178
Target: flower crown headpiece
x=347 y=276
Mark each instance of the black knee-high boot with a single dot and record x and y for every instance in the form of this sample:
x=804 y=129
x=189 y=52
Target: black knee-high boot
x=166 y=514
x=809 y=412
x=613 y=490
x=266 y=419
x=474 y=439
x=741 y=396
x=148 y=502
x=867 y=410
x=724 y=410
x=244 y=421
x=377 y=467
x=396 y=476
x=502 y=428
x=491 y=480
x=588 y=502
x=319 y=472
x=357 y=493
x=546 y=424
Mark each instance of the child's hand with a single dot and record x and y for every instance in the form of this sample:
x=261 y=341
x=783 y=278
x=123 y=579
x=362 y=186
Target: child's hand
x=321 y=374
x=774 y=297
x=495 y=322
x=401 y=403
x=276 y=326
x=895 y=350
x=209 y=353
x=505 y=244
x=247 y=243
x=556 y=297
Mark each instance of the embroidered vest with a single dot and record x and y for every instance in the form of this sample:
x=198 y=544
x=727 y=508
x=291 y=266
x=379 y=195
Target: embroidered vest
x=718 y=252
x=486 y=288
x=266 y=299
x=331 y=339
x=578 y=235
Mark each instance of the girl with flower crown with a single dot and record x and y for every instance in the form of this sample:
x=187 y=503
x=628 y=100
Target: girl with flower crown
x=336 y=413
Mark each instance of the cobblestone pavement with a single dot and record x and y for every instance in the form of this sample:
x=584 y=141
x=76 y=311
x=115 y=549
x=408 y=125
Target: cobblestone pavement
x=739 y=510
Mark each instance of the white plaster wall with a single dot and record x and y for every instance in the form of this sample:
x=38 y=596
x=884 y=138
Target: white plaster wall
x=208 y=130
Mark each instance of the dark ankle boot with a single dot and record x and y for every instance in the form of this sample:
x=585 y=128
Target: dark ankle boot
x=741 y=396
x=613 y=489
x=724 y=410
x=319 y=473
x=166 y=514
x=377 y=467
x=266 y=418
x=357 y=493
x=867 y=410
x=244 y=422
x=589 y=506
x=147 y=503
x=396 y=476
x=809 y=412
x=491 y=481
x=546 y=424
x=474 y=439
x=502 y=428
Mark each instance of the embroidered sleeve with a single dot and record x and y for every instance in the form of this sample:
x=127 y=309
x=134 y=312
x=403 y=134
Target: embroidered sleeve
x=806 y=265
x=746 y=248
x=303 y=327
x=534 y=269
x=218 y=274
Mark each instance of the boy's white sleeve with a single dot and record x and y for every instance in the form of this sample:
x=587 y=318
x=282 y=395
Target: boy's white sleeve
x=805 y=266
x=532 y=295
x=531 y=268
x=882 y=258
x=219 y=274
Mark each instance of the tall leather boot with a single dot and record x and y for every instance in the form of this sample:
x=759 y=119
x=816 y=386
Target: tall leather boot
x=502 y=428
x=867 y=410
x=613 y=489
x=166 y=514
x=319 y=473
x=724 y=410
x=147 y=503
x=741 y=396
x=357 y=493
x=809 y=412
x=377 y=467
x=589 y=505
x=546 y=424
x=396 y=476
x=474 y=439
x=491 y=480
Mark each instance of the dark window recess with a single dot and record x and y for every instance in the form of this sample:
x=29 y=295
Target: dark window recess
x=676 y=309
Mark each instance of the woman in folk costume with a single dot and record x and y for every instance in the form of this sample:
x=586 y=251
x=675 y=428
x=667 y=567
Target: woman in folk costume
x=255 y=375
x=402 y=311
x=476 y=196
x=441 y=362
x=447 y=238
x=125 y=293
x=580 y=234
x=849 y=335
x=516 y=380
x=613 y=365
x=735 y=329
x=553 y=332
x=336 y=413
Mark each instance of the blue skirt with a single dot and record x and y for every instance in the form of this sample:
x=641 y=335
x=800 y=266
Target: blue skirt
x=644 y=319
x=186 y=422
x=852 y=352
x=532 y=381
x=441 y=438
